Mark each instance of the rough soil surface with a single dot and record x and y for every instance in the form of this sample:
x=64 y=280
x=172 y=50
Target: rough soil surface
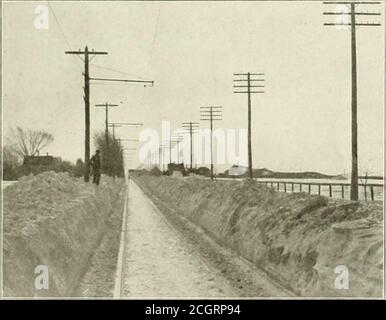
x=61 y=222
x=297 y=239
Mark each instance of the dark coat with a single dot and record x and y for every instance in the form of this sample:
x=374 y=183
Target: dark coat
x=95 y=161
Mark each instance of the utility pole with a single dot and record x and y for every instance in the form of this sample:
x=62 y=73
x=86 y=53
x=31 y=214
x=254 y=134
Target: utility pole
x=177 y=138
x=350 y=16
x=191 y=127
x=86 y=74
x=163 y=147
x=171 y=144
x=247 y=87
x=159 y=157
x=113 y=125
x=212 y=113
x=106 y=106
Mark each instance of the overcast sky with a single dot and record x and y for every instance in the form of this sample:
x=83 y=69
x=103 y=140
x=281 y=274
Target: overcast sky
x=191 y=51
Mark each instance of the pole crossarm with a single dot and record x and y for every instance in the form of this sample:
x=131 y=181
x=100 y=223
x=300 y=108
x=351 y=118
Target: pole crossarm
x=253 y=86
x=349 y=13
x=375 y=24
x=249 y=92
x=84 y=52
x=238 y=80
x=351 y=2
x=251 y=74
x=106 y=105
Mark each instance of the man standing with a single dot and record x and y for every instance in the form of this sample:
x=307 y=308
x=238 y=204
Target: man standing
x=95 y=162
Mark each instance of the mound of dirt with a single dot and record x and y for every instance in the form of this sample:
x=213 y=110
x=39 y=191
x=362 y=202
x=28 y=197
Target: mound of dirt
x=298 y=239
x=57 y=221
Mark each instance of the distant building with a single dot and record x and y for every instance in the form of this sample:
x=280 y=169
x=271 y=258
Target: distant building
x=38 y=160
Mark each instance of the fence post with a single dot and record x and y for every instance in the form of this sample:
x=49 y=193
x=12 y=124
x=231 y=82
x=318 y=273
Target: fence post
x=285 y=186
x=278 y=186
x=319 y=189
x=330 y=190
x=309 y=188
x=364 y=186
x=342 y=191
x=372 y=193
x=292 y=187
x=300 y=187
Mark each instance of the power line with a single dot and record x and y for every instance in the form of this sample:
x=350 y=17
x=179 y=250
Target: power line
x=115 y=70
x=62 y=33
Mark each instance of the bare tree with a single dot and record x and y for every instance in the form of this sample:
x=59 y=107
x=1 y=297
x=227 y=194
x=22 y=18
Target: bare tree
x=28 y=142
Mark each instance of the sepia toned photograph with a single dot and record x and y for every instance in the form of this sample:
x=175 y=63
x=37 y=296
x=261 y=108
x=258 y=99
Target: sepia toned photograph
x=192 y=150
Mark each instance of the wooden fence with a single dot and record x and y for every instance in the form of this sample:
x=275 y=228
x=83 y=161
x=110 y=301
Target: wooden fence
x=306 y=187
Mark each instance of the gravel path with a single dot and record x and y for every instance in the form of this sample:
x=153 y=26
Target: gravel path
x=156 y=262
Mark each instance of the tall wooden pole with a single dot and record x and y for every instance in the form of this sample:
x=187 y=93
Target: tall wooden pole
x=249 y=86
x=249 y=128
x=211 y=143
x=87 y=115
x=354 y=121
x=190 y=127
x=87 y=78
x=354 y=103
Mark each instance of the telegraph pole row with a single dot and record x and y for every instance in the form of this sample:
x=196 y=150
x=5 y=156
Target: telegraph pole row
x=212 y=113
x=191 y=127
x=249 y=86
x=351 y=21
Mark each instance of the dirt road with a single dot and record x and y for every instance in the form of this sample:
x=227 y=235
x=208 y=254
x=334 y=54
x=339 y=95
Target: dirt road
x=157 y=260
